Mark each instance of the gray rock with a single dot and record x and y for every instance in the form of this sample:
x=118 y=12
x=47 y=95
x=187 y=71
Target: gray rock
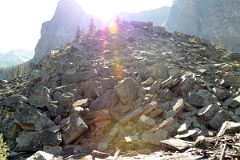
x=108 y=83
x=178 y=106
x=221 y=94
x=219 y=118
x=232 y=102
x=107 y=100
x=72 y=127
x=16 y=99
x=237 y=111
x=29 y=141
x=174 y=144
x=127 y=90
x=39 y=97
x=229 y=127
x=160 y=132
x=31 y=119
x=78 y=77
x=55 y=150
x=208 y=112
x=199 y=99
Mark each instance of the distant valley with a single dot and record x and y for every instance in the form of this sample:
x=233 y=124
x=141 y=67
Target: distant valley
x=15 y=57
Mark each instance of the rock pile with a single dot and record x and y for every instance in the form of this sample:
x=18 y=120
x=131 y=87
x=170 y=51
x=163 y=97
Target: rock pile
x=133 y=89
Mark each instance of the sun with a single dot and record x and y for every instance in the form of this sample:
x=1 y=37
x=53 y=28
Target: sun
x=102 y=9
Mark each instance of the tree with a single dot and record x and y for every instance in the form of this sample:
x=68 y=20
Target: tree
x=92 y=27
x=78 y=34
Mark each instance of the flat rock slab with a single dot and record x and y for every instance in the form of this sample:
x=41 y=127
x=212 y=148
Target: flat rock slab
x=175 y=144
x=229 y=127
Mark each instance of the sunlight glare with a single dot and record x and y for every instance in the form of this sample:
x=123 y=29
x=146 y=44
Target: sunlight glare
x=107 y=9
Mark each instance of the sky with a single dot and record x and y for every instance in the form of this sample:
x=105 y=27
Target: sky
x=20 y=20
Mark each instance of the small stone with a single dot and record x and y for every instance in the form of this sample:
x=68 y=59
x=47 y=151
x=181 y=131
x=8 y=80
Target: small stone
x=131 y=138
x=183 y=128
x=147 y=120
x=179 y=105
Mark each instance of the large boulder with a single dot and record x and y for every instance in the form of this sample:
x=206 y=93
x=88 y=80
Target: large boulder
x=31 y=119
x=127 y=90
x=72 y=127
x=107 y=100
x=39 y=97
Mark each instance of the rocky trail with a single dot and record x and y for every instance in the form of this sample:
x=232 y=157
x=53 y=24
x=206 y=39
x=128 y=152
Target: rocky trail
x=133 y=91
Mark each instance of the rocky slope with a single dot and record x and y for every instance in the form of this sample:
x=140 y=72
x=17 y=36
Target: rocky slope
x=213 y=20
x=62 y=27
x=134 y=91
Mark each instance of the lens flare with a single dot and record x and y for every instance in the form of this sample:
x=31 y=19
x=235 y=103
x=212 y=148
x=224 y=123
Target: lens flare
x=113 y=27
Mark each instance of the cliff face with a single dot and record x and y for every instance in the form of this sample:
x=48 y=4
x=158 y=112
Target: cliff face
x=214 y=20
x=61 y=28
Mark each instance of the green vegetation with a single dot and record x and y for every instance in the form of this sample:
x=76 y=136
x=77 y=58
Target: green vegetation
x=204 y=52
x=3 y=149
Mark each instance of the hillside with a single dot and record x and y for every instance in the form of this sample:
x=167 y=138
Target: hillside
x=216 y=21
x=134 y=91
x=15 y=57
x=69 y=14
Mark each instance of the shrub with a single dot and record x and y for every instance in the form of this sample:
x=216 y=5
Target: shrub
x=3 y=149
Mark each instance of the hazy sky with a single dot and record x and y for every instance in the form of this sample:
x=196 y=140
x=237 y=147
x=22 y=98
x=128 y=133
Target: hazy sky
x=21 y=19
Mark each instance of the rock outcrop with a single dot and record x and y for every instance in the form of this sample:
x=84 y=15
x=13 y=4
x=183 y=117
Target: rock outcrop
x=216 y=21
x=139 y=90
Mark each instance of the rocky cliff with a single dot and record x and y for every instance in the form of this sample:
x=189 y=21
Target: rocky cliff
x=61 y=28
x=115 y=95
x=69 y=14
x=214 y=20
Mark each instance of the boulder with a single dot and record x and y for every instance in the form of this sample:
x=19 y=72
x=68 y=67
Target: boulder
x=218 y=119
x=199 y=99
x=108 y=100
x=29 y=141
x=229 y=127
x=15 y=100
x=221 y=94
x=160 y=132
x=127 y=90
x=29 y=118
x=39 y=97
x=89 y=89
x=72 y=127
x=78 y=77
x=208 y=112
